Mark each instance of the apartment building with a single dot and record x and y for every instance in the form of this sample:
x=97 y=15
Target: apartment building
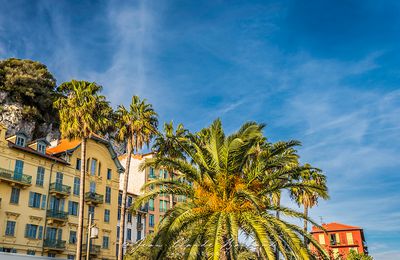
x=39 y=192
x=339 y=239
x=156 y=207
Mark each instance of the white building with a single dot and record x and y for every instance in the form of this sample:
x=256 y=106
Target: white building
x=135 y=224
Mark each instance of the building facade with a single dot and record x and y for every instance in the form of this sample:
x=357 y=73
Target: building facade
x=39 y=192
x=151 y=213
x=339 y=239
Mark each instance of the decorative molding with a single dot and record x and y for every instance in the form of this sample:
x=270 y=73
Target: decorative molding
x=12 y=214
x=35 y=218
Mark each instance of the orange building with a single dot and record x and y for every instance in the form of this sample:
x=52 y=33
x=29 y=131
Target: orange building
x=339 y=239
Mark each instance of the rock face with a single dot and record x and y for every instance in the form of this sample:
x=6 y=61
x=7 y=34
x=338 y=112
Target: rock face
x=13 y=117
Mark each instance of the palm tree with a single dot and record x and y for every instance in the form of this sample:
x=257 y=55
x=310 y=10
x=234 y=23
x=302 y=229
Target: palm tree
x=82 y=112
x=308 y=197
x=228 y=191
x=136 y=127
x=167 y=145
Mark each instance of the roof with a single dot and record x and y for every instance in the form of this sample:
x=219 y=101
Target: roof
x=33 y=151
x=64 y=145
x=135 y=156
x=334 y=226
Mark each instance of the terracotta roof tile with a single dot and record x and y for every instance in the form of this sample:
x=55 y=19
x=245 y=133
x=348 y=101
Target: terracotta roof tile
x=63 y=146
x=334 y=226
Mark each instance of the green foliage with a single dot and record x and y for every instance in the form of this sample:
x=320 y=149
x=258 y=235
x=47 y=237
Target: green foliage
x=30 y=84
x=83 y=111
x=230 y=183
x=353 y=255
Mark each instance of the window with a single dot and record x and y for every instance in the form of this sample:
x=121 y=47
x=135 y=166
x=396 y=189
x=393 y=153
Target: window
x=99 y=170
x=92 y=186
x=73 y=208
x=14 y=195
x=108 y=194
x=117 y=234
x=107 y=215
x=151 y=204
x=129 y=234
x=129 y=217
x=91 y=211
x=139 y=218
x=109 y=174
x=71 y=257
x=78 y=164
x=41 y=147
x=161 y=174
x=163 y=205
x=321 y=238
x=105 y=241
x=349 y=237
x=40 y=176
x=93 y=167
x=333 y=239
x=30 y=252
x=35 y=199
x=165 y=174
x=10 y=228
x=77 y=184
x=72 y=237
x=52 y=255
x=20 y=141
x=151 y=220
x=139 y=235
x=119 y=214
x=129 y=201
x=31 y=231
x=119 y=199
x=151 y=174
x=18 y=170
x=40 y=232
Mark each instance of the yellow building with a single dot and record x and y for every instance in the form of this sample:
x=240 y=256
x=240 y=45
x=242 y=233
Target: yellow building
x=39 y=192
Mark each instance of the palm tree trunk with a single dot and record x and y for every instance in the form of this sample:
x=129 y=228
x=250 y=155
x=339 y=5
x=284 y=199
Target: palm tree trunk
x=305 y=224
x=81 y=200
x=123 y=206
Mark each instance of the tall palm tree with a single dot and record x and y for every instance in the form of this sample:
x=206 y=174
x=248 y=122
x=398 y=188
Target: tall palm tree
x=308 y=197
x=167 y=145
x=136 y=127
x=83 y=111
x=228 y=193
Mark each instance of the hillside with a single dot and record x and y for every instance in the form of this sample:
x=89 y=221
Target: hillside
x=27 y=92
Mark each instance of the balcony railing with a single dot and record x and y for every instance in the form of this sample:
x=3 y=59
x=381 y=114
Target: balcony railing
x=93 y=250
x=10 y=176
x=60 y=188
x=93 y=197
x=56 y=214
x=54 y=244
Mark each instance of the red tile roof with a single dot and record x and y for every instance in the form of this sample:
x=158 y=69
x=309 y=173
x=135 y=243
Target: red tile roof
x=32 y=151
x=334 y=226
x=63 y=146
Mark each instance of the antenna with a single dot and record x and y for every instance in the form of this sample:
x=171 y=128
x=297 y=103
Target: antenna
x=321 y=220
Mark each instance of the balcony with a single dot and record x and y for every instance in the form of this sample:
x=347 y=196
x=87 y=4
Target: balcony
x=144 y=208
x=56 y=216
x=60 y=189
x=15 y=179
x=54 y=244
x=93 y=250
x=93 y=198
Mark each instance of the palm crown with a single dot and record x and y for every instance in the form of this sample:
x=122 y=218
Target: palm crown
x=229 y=182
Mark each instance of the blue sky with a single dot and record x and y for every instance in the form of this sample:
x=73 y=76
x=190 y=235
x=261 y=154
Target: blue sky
x=324 y=72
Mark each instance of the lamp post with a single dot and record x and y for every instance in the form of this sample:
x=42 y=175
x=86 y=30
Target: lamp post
x=93 y=232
